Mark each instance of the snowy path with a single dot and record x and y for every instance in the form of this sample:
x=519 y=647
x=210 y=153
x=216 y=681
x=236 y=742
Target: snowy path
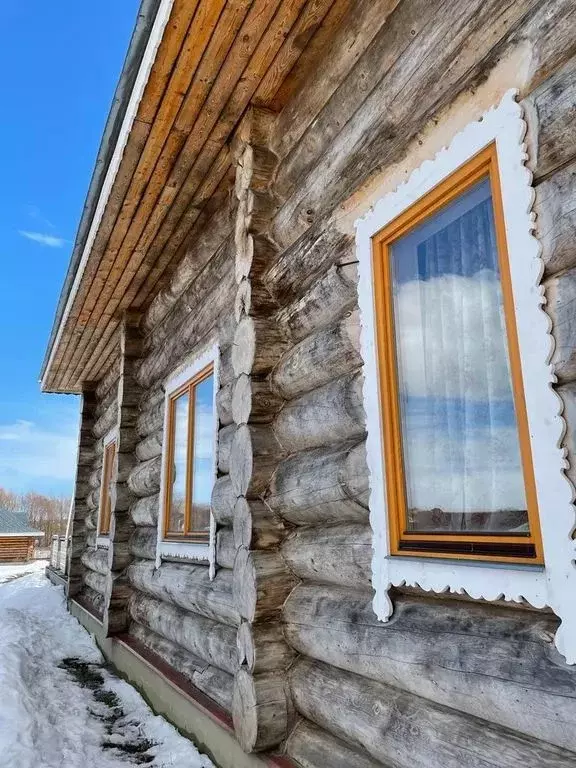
x=77 y=715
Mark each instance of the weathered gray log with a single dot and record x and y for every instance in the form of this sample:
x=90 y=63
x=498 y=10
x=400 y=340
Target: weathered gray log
x=108 y=381
x=253 y=399
x=151 y=420
x=150 y=447
x=225 y=549
x=567 y=393
x=207 y=241
x=555 y=105
x=555 y=207
x=223 y=500
x=91 y=538
x=337 y=554
x=210 y=640
x=91 y=521
x=322 y=485
x=143 y=543
x=263 y=647
x=189 y=587
x=326 y=301
x=309 y=746
x=224 y=404
x=438 y=650
x=260 y=710
x=407 y=730
x=144 y=480
x=96 y=560
x=225 y=436
x=327 y=415
x=256 y=526
x=254 y=455
x=319 y=358
x=95 y=581
x=212 y=681
x=121 y=530
x=93 y=599
x=145 y=511
x=258 y=345
x=107 y=421
x=560 y=298
x=261 y=583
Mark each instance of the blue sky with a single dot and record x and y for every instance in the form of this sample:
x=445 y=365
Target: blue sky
x=60 y=63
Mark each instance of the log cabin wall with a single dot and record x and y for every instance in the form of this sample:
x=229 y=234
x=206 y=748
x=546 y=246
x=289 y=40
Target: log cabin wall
x=448 y=682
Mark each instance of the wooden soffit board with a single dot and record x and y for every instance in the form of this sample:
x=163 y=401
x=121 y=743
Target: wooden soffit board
x=211 y=60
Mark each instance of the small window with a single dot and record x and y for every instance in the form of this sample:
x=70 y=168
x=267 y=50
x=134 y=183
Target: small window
x=189 y=464
x=458 y=460
x=107 y=485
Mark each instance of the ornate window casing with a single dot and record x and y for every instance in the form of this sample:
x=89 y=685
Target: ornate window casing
x=107 y=487
x=551 y=580
x=183 y=453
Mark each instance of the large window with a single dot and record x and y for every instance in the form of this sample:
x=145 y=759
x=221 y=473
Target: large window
x=189 y=458
x=457 y=450
x=107 y=484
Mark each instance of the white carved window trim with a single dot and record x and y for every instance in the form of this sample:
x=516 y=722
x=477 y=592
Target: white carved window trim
x=554 y=584
x=103 y=539
x=185 y=550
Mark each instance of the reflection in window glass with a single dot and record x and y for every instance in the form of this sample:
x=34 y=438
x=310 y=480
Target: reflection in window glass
x=202 y=471
x=177 y=511
x=461 y=450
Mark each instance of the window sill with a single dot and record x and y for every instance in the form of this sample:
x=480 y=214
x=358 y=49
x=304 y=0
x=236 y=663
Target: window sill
x=185 y=551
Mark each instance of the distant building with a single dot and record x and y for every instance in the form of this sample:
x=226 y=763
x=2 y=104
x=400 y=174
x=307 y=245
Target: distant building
x=16 y=537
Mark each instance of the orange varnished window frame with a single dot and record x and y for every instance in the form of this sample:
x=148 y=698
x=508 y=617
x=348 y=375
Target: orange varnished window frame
x=105 y=501
x=483 y=165
x=188 y=534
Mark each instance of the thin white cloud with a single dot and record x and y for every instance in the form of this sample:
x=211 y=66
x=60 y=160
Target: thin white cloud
x=37 y=457
x=35 y=213
x=38 y=237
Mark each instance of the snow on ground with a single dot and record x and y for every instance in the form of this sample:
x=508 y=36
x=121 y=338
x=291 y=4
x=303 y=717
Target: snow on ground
x=10 y=572
x=59 y=706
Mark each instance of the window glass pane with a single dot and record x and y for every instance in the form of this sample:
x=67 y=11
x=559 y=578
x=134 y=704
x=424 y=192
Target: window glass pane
x=203 y=470
x=461 y=452
x=176 y=517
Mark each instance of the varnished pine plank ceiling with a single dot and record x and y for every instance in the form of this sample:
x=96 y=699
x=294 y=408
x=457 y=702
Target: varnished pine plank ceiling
x=216 y=57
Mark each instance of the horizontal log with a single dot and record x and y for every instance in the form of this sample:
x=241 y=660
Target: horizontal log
x=145 y=511
x=260 y=710
x=327 y=415
x=319 y=358
x=151 y=420
x=555 y=104
x=253 y=399
x=560 y=299
x=223 y=500
x=108 y=381
x=143 y=543
x=439 y=650
x=408 y=731
x=210 y=640
x=189 y=587
x=308 y=746
x=321 y=486
x=95 y=581
x=150 y=446
x=258 y=345
x=254 y=454
x=107 y=420
x=324 y=304
x=96 y=560
x=94 y=600
x=261 y=584
x=555 y=208
x=263 y=647
x=336 y=554
x=225 y=549
x=144 y=480
x=225 y=436
x=224 y=404
x=210 y=680
x=256 y=526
